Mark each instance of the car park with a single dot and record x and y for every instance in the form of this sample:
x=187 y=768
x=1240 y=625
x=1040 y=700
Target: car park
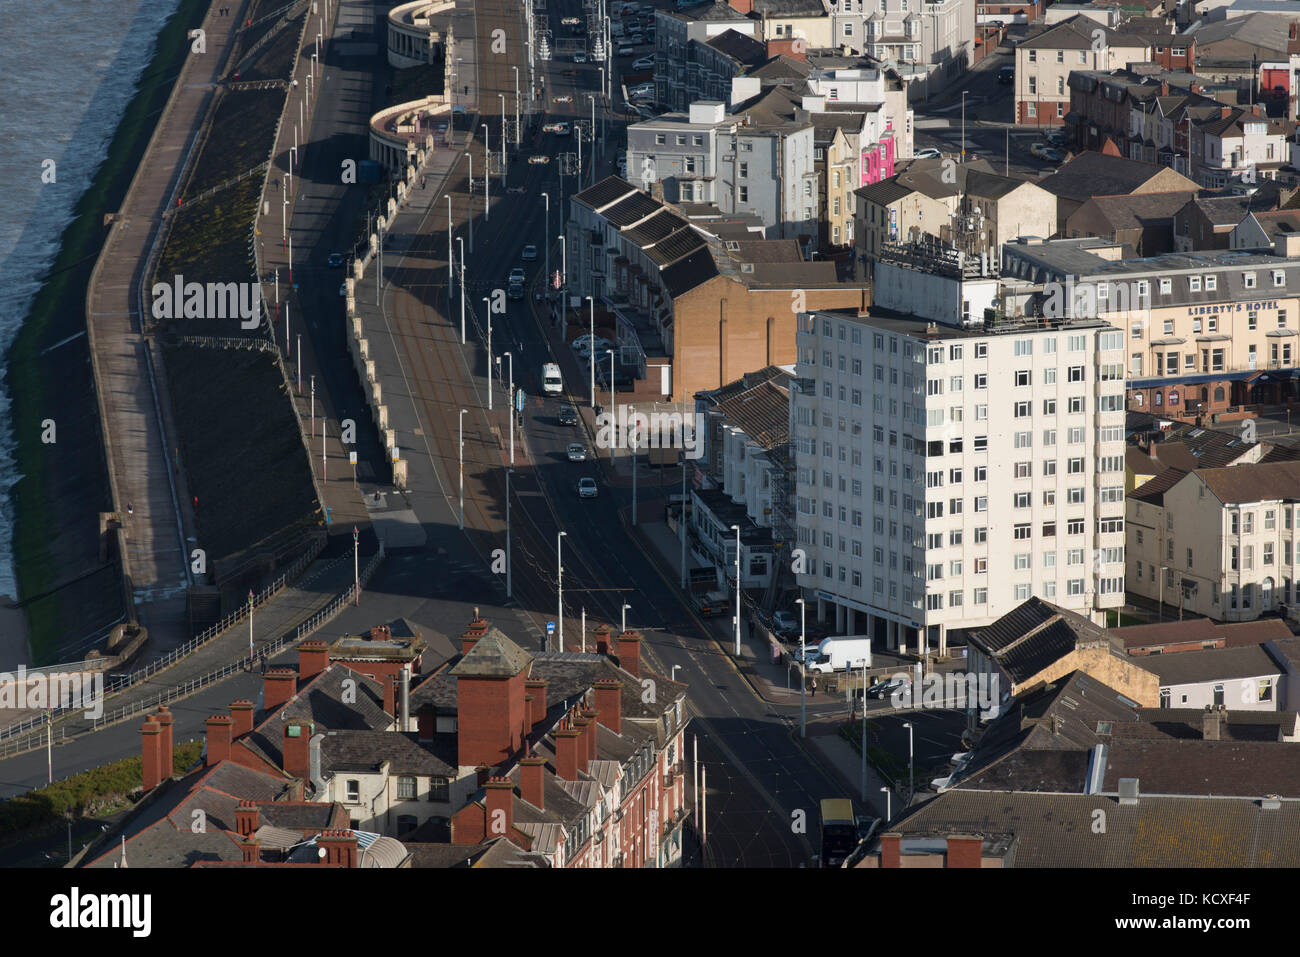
x=567 y=415
x=335 y=260
x=529 y=253
x=539 y=160
x=587 y=488
x=577 y=452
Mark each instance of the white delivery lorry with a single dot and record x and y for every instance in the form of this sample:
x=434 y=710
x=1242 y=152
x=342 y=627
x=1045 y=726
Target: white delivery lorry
x=834 y=654
x=551 y=381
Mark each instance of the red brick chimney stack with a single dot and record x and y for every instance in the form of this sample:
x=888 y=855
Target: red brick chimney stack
x=313 y=658
x=246 y=818
x=532 y=777
x=609 y=703
x=340 y=847
x=278 y=687
x=478 y=628
x=166 y=745
x=590 y=733
x=251 y=850
x=150 y=752
x=218 y=728
x=566 y=754
x=241 y=713
x=629 y=652
x=602 y=639
x=964 y=850
x=891 y=849
x=296 y=748
x=500 y=807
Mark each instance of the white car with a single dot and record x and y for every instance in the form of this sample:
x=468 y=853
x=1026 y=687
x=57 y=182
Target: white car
x=587 y=488
x=926 y=154
x=577 y=452
x=645 y=63
x=642 y=88
x=580 y=57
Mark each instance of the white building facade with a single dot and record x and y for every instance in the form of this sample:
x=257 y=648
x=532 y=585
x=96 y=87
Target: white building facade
x=947 y=472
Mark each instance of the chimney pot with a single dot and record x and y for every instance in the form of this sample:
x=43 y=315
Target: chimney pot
x=166 y=753
x=296 y=748
x=500 y=803
x=218 y=728
x=532 y=777
x=278 y=687
x=150 y=753
x=609 y=703
x=241 y=714
x=313 y=658
x=629 y=652
x=566 y=754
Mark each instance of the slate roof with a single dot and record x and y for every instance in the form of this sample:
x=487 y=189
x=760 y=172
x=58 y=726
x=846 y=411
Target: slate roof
x=1212 y=664
x=608 y=190
x=1032 y=636
x=1188 y=724
x=762 y=413
x=368 y=751
x=1214 y=768
x=632 y=209
x=164 y=845
x=781 y=67
x=1092 y=174
x=741 y=48
x=657 y=227
x=689 y=271
x=1140 y=210
x=493 y=656
x=1153 y=489
x=1076 y=33
x=1254 y=483
x=1051 y=830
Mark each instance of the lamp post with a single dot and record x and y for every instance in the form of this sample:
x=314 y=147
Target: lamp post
x=612 y=406
x=623 y=623
x=633 y=441
x=963 y=126
x=356 y=566
x=803 y=705
x=564 y=262
x=461 y=241
x=462 y=468
x=450 y=261
x=889 y=809
x=911 y=773
x=547 y=198
x=559 y=585
x=736 y=529
x=488 y=305
x=1161 y=586
x=503 y=134
x=470 y=195
x=250 y=628
x=592 y=301
x=510 y=405
x=517 y=139
x=509 y=585
x=681 y=521
x=487 y=173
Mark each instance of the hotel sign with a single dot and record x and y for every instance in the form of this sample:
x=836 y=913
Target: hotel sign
x=1232 y=307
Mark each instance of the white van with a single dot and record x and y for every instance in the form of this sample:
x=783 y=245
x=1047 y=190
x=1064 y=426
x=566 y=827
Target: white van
x=833 y=654
x=551 y=381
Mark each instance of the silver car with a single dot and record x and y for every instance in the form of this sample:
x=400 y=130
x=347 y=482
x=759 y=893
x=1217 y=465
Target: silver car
x=577 y=452
x=587 y=488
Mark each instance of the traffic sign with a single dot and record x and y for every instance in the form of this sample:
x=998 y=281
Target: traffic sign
x=519 y=401
x=550 y=628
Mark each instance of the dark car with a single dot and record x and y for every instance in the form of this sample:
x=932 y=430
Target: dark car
x=1007 y=74
x=886 y=688
x=568 y=415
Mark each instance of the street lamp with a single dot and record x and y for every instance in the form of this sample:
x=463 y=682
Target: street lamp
x=559 y=584
x=592 y=300
x=451 y=287
x=516 y=69
x=487 y=171
x=1161 y=586
x=356 y=566
x=911 y=774
x=462 y=468
x=889 y=807
x=736 y=529
x=488 y=305
x=612 y=406
x=509 y=584
x=547 y=198
x=510 y=405
x=503 y=134
x=803 y=657
x=461 y=241
x=623 y=624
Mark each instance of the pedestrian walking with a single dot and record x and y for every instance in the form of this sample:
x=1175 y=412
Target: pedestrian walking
x=813 y=690
x=263 y=660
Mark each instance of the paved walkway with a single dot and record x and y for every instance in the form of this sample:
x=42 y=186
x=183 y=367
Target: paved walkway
x=140 y=470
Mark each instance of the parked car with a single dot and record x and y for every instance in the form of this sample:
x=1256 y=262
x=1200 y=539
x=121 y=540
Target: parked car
x=927 y=153
x=785 y=622
x=335 y=260
x=577 y=452
x=570 y=21
x=580 y=57
x=1058 y=139
x=516 y=275
x=517 y=190
x=529 y=253
x=539 y=160
x=567 y=415
x=587 y=488
x=343 y=289
x=626 y=50
x=642 y=89
x=567 y=98
x=886 y=688
x=645 y=63
x=551 y=127
x=562 y=129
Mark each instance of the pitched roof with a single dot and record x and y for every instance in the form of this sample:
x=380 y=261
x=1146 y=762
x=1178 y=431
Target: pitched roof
x=1140 y=210
x=1044 y=830
x=1077 y=33
x=368 y=751
x=493 y=656
x=1242 y=484
x=740 y=47
x=1153 y=489
x=1166 y=765
x=762 y=413
x=1092 y=174
x=1032 y=636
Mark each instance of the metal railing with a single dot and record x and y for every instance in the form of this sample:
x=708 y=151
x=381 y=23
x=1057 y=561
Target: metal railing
x=37 y=739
